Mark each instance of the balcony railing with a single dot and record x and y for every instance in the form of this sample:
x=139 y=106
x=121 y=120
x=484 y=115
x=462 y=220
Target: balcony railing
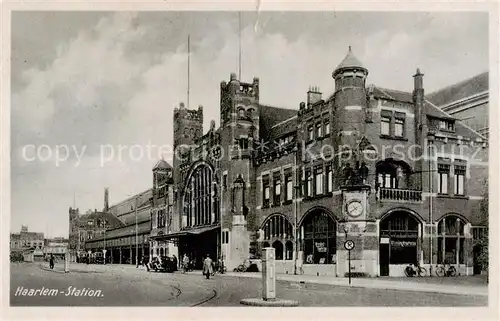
x=399 y=195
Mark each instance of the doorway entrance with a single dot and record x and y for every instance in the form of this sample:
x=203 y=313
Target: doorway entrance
x=399 y=241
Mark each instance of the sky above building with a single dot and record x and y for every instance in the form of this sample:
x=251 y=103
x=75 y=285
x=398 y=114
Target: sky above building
x=103 y=86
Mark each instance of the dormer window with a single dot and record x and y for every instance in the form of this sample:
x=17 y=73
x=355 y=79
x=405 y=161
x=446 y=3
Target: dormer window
x=447 y=125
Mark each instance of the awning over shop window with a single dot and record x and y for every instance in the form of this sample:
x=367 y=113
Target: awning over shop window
x=202 y=229
x=193 y=231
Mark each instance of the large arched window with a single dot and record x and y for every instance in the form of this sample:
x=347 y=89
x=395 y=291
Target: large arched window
x=198 y=198
x=451 y=240
x=400 y=231
x=319 y=238
x=277 y=229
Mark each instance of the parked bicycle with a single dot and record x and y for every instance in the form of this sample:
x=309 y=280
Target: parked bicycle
x=415 y=270
x=243 y=267
x=446 y=270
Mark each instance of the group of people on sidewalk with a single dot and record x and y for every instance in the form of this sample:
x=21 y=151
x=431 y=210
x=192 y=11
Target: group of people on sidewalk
x=208 y=265
x=187 y=264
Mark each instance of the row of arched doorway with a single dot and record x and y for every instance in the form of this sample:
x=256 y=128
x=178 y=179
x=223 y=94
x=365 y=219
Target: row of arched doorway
x=400 y=238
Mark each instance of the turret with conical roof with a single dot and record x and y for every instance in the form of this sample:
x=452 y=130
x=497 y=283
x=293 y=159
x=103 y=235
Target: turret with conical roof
x=350 y=103
x=350 y=73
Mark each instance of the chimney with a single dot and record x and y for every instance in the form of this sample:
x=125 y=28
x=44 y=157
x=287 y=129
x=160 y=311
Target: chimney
x=106 y=199
x=313 y=95
x=418 y=98
x=181 y=105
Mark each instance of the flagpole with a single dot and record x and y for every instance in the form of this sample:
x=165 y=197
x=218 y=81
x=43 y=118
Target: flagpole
x=188 y=71
x=239 y=51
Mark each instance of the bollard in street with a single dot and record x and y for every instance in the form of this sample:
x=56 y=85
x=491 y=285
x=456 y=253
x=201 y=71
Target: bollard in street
x=268 y=298
x=66 y=262
x=268 y=274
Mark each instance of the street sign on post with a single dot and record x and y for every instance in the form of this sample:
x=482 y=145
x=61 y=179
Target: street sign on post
x=349 y=245
x=268 y=274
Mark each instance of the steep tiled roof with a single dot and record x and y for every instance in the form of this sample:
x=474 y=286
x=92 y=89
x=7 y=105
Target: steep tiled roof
x=286 y=127
x=429 y=108
x=391 y=94
x=461 y=90
x=460 y=128
x=112 y=221
x=142 y=227
x=270 y=116
x=162 y=164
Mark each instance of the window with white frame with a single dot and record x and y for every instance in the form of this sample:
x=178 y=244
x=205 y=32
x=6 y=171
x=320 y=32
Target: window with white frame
x=399 y=125
x=265 y=190
x=319 y=131
x=443 y=176
x=289 y=187
x=277 y=191
x=329 y=179
x=385 y=126
x=318 y=174
x=225 y=237
x=309 y=183
x=327 y=127
x=459 y=171
x=310 y=132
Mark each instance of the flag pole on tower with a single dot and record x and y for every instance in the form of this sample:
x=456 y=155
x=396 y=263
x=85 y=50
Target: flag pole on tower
x=189 y=58
x=239 y=38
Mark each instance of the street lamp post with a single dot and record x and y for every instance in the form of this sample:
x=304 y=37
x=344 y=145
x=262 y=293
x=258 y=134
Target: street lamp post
x=430 y=207
x=136 y=237
x=104 y=250
x=296 y=211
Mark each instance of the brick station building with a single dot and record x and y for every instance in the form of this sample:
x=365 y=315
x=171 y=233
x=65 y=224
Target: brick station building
x=386 y=169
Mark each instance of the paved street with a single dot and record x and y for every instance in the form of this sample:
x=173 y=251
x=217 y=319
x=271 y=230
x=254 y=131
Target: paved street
x=128 y=286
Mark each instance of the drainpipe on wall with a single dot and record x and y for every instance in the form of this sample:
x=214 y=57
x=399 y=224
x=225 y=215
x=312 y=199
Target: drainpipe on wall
x=430 y=210
x=295 y=214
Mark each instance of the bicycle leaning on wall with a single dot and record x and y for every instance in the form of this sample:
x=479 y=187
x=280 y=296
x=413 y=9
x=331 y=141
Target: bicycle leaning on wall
x=415 y=270
x=446 y=270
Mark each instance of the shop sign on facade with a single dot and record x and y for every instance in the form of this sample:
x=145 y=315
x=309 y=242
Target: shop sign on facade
x=404 y=243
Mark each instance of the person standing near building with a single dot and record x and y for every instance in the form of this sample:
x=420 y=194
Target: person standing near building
x=51 y=262
x=185 y=263
x=207 y=266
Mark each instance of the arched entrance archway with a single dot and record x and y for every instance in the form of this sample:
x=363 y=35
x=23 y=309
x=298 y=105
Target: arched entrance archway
x=399 y=240
x=318 y=231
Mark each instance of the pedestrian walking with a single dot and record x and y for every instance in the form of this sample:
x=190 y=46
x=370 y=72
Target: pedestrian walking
x=185 y=263
x=208 y=266
x=145 y=262
x=51 y=262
